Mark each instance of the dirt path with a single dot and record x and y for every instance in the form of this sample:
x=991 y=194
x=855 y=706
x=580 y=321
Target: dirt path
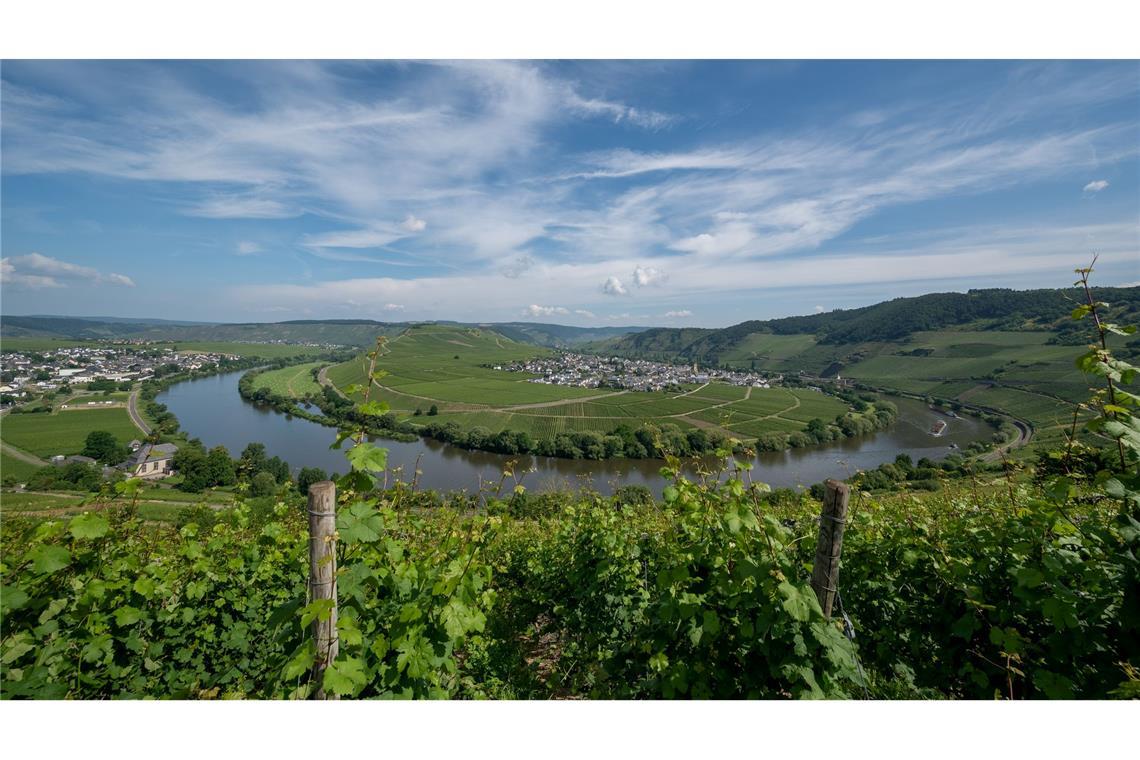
x=133 y=411
x=23 y=456
x=560 y=402
x=694 y=390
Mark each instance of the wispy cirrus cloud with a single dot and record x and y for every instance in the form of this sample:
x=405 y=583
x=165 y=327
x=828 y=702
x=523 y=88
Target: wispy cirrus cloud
x=541 y=184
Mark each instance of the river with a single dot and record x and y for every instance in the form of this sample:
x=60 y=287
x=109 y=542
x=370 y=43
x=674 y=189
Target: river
x=211 y=410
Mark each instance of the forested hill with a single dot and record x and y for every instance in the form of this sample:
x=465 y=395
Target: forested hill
x=348 y=332
x=991 y=309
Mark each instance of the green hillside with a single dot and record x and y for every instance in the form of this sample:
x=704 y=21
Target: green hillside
x=451 y=368
x=57 y=331
x=1010 y=351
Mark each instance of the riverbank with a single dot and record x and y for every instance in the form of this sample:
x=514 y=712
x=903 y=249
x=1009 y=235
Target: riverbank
x=212 y=410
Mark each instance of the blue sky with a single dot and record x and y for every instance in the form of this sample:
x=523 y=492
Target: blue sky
x=588 y=193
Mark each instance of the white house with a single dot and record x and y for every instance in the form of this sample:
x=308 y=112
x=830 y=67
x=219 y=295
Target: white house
x=152 y=461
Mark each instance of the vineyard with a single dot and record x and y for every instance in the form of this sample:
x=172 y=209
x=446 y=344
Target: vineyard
x=973 y=593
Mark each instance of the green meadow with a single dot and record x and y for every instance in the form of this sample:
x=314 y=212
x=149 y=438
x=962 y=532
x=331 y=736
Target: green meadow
x=295 y=381
x=64 y=432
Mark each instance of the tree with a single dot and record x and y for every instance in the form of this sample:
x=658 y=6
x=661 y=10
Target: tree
x=263 y=484
x=104 y=447
x=278 y=468
x=433 y=410
x=190 y=462
x=252 y=459
x=220 y=468
x=309 y=475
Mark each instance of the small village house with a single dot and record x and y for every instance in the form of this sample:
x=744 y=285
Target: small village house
x=151 y=461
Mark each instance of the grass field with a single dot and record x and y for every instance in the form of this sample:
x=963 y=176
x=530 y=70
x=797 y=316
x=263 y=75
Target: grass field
x=15 y=501
x=453 y=369
x=16 y=468
x=292 y=382
x=64 y=432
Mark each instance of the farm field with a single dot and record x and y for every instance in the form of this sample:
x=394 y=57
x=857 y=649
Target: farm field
x=295 y=381
x=64 y=432
x=453 y=369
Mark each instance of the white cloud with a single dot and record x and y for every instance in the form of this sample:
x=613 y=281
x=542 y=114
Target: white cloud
x=117 y=279
x=728 y=238
x=393 y=307
x=534 y=310
x=248 y=248
x=818 y=309
x=620 y=112
x=585 y=313
x=643 y=276
x=412 y=224
x=1096 y=186
x=35 y=271
x=614 y=287
x=9 y=276
x=681 y=314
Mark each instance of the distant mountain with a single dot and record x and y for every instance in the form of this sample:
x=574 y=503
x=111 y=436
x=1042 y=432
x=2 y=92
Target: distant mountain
x=559 y=336
x=131 y=320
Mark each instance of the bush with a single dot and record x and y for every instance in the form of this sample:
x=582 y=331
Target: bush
x=263 y=484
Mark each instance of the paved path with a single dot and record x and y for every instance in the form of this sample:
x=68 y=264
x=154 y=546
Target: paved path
x=133 y=410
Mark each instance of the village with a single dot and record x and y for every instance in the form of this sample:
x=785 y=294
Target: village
x=28 y=373
x=587 y=371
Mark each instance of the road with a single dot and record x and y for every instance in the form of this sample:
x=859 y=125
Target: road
x=133 y=410
x=323 y=379
x=1024 y=434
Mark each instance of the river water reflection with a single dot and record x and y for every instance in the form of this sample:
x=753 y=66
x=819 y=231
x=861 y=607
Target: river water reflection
x=212 y=410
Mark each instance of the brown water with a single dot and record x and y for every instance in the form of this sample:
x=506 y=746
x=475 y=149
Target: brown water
x=212 y=410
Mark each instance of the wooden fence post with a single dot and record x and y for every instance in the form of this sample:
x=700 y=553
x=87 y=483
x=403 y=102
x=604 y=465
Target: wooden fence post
x=322 y=575
x=832 y=521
